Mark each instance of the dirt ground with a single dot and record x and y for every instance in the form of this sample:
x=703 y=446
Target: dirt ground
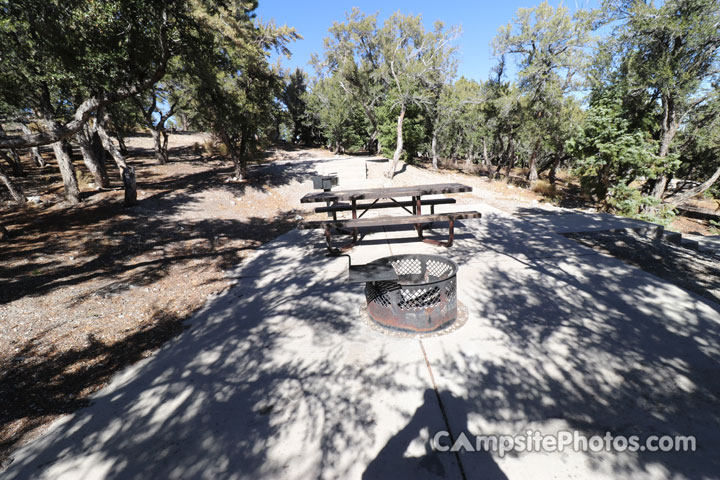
x=87 y=290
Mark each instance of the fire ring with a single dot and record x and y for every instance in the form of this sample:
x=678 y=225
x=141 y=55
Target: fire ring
x=423 y=299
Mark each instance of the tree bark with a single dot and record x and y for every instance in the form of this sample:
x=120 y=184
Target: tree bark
x=227 y=141
x=160 y=153
x=668 y=128
x=92 y=162
x=433 y=146
x=15 y=190
x=34 y=151
x=510 y=157
x=486 y=160
x=532 y=173
x=127 y=173
x=553 y=169
x=399 y=147
x=67 y=171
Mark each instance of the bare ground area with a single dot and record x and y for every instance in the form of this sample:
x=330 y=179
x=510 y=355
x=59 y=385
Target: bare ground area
x=688 y=269
x=87 y=290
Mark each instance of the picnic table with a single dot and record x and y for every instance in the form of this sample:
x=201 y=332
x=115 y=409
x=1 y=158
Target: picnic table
x=348 y=201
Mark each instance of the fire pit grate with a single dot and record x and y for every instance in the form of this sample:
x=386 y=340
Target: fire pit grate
x=422 y=299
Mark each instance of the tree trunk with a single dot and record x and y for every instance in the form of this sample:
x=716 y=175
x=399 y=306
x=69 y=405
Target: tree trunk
x=93 y=164
x=471 y=156
x=227 y=141
x=121 y=143
x=553 y=169
x=668 y=128
x=160 y=153
x=433 y=146
x=691 y=192
x=126 y=172
x=34 y=151
x=13 y=163
x=486 y=160
x=510 y=158
x=399 y=147
x=67 y=171
x=532 y=173
x=15 y=190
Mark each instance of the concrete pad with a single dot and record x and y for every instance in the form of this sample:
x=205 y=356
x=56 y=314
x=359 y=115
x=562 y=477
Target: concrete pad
x=585 y=344
x=574 y=221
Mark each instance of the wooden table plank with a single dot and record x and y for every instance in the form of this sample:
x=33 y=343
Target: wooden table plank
x=389 y=192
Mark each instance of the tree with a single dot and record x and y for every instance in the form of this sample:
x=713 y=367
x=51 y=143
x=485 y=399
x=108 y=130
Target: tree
x=155 y=119
x=233 y=87
x=353 y=55
x=53 y=49
x=610 y=152
x=551 y=49
x=412 y=61
x=667 y=55
x=294 y=98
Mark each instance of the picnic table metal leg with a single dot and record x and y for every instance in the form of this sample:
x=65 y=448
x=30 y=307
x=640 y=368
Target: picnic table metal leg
x=451 y=234
x=354 y=216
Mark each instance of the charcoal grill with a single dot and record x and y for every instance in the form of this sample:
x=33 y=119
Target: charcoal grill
x=412 y=293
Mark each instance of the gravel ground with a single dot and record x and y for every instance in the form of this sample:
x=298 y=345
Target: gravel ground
x=688 y=269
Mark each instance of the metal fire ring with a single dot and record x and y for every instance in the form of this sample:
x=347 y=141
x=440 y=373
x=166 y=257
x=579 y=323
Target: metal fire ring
x=422 y=299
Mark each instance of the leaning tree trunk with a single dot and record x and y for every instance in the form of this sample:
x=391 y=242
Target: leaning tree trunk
x=399 y=147
x=691 y=192
x=12 y=162
x=15 y=190
x=92 y=162
x=433 y=147
x=127 y=172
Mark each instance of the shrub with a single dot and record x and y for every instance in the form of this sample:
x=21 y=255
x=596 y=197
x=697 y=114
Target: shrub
x=630 y=202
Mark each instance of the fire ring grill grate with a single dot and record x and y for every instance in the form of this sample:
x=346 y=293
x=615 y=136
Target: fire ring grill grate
x=424 y=297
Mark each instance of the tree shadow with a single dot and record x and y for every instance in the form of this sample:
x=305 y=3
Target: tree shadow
x=575 y=340
x=259 y=384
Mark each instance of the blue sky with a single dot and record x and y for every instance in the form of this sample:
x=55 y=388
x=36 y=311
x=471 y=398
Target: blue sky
x=479 y=20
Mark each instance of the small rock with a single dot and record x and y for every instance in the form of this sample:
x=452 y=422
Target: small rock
x=34 y=199
x=298 y=217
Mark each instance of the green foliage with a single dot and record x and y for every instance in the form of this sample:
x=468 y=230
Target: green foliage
x=294 y=97
x=630 y=202
x=609 y=152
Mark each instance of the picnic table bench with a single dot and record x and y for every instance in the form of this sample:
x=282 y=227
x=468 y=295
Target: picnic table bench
x=416 y=217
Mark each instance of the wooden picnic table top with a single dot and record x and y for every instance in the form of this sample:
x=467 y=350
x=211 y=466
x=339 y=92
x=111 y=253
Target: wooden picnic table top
x=385 y=192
